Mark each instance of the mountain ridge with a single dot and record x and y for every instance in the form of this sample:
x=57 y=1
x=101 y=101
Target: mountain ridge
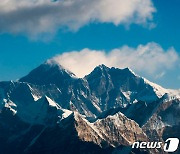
x=106 y=110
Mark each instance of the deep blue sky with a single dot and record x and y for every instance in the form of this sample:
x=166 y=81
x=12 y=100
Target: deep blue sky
x=19 y=55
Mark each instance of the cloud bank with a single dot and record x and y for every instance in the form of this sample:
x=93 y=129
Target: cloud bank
x=37 y=17
x=149 y=58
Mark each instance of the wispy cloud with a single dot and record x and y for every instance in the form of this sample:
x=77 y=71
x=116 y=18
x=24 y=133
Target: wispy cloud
x=160 y=75
x=149 y=58
x=38 y=17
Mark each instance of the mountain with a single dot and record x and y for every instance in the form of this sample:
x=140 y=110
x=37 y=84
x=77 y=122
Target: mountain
x=104 y=88
x=50 y=110
x=90 y=137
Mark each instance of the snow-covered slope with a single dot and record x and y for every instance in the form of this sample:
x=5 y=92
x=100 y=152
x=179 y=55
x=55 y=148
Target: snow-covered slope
x=29 y=104
x=160 y=91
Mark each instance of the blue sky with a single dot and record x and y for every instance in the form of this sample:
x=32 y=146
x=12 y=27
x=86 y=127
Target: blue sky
x=20 y=51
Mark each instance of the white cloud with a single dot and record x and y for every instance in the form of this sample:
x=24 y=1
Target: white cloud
x=37 y=17
x=160 y=75
x=149 y=58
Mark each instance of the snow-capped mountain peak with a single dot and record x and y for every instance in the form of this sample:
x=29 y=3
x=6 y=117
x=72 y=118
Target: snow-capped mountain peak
x=48 y=73
x=54 y=63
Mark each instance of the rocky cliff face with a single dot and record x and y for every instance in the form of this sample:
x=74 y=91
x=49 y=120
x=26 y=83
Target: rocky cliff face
x=165 y=122
x=115 y=130
x=104 y=134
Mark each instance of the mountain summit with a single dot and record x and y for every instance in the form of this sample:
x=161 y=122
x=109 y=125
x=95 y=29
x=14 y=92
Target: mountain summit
x=48 y=73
